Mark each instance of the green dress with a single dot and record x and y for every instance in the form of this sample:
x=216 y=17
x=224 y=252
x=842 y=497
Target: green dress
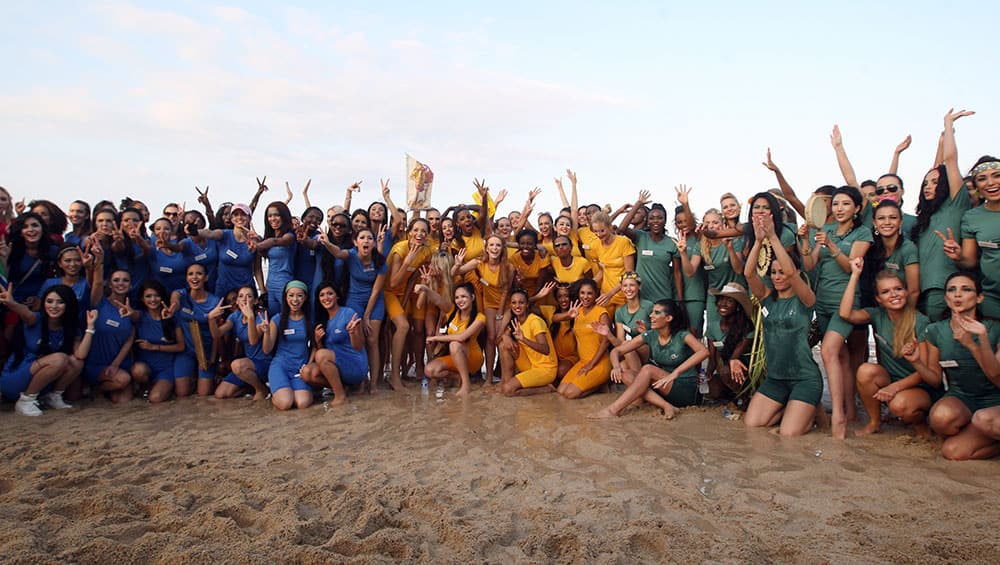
x=695 y=288
x=983 y=226
x=628 y=320
x=965 y=378
x=654 y=263
x=935 y=266
x=792 y=374
x=684 y=391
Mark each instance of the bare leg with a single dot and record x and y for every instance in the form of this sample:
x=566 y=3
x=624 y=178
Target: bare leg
x=911 y=406
x=797 y=419
x=160 y=391
x=491 y=343
x=460 y=357
x=870 y=379
x=327 y=363
x=182 y=386
x=246 y=371
x=374 y=354
x=283 y=398
x=398 y=349
x=762 y=411
x=832 y=349
x=46 y=370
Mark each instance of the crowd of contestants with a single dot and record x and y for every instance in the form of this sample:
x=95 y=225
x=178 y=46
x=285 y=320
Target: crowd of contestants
x=107 y=299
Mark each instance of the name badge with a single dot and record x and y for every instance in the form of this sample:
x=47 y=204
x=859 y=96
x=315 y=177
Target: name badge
x=201 y=257
x=368 y=269
x=167 y=270
x=290 y=331
x=453 y=327
x=893 y=266
x=988 y=244
x=647 y=252
x=188 y=311
x=585 y=246
x=337 y=331
x=948 y=364
x=112 y=323
x=709 y=267
x=232 y=254
x=483 y=281
x=312 y=252
x=718 y=344
x=764 y=311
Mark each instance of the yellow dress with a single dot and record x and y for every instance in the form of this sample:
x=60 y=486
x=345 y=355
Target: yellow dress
x=587 y=343
x=489 y=281
x=534 y=368
x=611 y=258
x=475 y=354
x=394 y=295
x=529 y=272
x=574 y=272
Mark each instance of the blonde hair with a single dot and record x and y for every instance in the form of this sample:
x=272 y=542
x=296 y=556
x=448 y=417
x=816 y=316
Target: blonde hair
x=600 y=218
x=706 y=247
x=442 y=262
x=505 y=274
x=906 y=327
x=739 y=206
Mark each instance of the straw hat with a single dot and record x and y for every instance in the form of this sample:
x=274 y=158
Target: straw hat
x=737 y=293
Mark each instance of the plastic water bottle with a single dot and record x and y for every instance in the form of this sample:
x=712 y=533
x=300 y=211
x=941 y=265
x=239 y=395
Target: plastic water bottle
x=702 y=381
x=424 y=386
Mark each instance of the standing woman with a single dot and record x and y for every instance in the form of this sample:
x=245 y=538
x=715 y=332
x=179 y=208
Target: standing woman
x=192 y=306
x=366 y=269
x=278 y=245
x=530 y=352
x=197 y=248
x=546 y=233
x=717 y=257
x=287 y=339
x=462 y=334
x=657 y=259
x=79 y=219
x=569 y=268
x=405 y=258
x=942 y=203
x=965 y=347
x=248 y=326
x=6 y=212
x=695 y=284
x=235 y=258
x=168 y=267
x=496 y=277
x=764 y=205
x=131 y=249
x=898 y=326
x=891 y=251
x=594 y=367
x=670 y=379
x=306 y=252
x=108 y=364
x=615 y=256
x=981 y=234
x=29 y=263
x=836 y=245
x=48 y=351
x=158 y=341
x=731 y=208
x=533 y=270
x=340 y=357
x=69 y=267
x=793 y=387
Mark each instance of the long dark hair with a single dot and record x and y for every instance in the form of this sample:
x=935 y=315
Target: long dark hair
x=169 y=325
x=86 y=226
x=749 y=237
x=286 y=219
x=877 y=254
x=679 y=320
x=18 y=247
x=473 y=312
x=286 y=312
x=926 y=208
x=739 y=326
x=855 y=195
x=57 y=218
x=70 y=322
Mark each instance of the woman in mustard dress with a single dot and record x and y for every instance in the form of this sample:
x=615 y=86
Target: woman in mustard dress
x=594 y=367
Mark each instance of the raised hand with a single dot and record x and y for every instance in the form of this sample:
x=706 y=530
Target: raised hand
x=500 y=196
x=644 y=196
x=546 y=289
x=533 y=193
x=426 y=274
x=971 y=325
x=952 y=115
x=20 y=206
x=683 y=191
x=355 y=187
x=904 y=145
x=572 y=177
x=7 y=296
x=857 y=265
x=288 y=191
x=835 y=138
x=574 y=309
x=261 y=186
x=319 y=333
x=265 y=325
x=305 y=191
x=640 y=326
x=219 y=310
x=952 y=249
x=601 y=328
x=516 y=330
x=354 y=324
x=202 y=196
x=769 y=163
x=124 y=309
x=481 y=188
x=385 y=187
x=682 y=244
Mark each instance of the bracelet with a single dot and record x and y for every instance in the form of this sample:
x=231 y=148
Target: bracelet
x=835 y=255
x=90 y=331
x=804 y=250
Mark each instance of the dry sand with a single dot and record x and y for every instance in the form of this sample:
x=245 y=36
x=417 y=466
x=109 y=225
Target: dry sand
x=405 y=478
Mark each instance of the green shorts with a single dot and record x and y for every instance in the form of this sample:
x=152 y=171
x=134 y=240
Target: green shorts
x=808 y=390
x=932 y=304
x=833 y=323
x=683 y=393
x=696 y=315
x=974 y=403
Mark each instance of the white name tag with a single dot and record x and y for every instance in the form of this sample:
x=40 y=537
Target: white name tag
x=188 y=311
x=893 y=266
x=647 y=252
x=337 y=331
x=201 y=257
x=988 y=244
x=112 y=323
x=718 y=344
x=453 y=327
x=764 y=311
x=312 y=252
x=167 y=270
x=483 y=281
x=948 y=364
x=290 y=331
x=232 y=254
x=709 y=267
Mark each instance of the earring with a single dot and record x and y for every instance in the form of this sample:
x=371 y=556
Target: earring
x=876 y=232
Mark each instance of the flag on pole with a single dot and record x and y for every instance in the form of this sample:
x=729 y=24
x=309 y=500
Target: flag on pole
x=419 y=181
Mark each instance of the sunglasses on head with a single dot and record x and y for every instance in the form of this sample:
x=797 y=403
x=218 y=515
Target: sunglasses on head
x=879 y=191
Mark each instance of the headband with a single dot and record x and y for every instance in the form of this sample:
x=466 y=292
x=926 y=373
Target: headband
x=985 y=167
x=297 y=284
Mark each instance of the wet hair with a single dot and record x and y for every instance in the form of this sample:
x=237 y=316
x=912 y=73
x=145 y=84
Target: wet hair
x=679 y=320
x=927 y=208
x=286 y=219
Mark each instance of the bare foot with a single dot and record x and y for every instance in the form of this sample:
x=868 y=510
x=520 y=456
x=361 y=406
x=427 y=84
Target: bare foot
x=260 y=395
x=397 y=384
x=872 y=428
x=669 y=412
x=923 y=431
x=821 y=418
x=339 y=401
x=839 y=427
x=462 y=391
x=602 y=414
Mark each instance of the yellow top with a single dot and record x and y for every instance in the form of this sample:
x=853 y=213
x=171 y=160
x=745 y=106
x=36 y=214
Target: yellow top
x=402 y=249
x=587 y=340
x=574 y=272
x=529 y=273
x=532 y=327
x=611 y=258
x=489 y=281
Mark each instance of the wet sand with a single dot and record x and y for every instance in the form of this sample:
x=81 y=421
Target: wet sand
x=405 y=478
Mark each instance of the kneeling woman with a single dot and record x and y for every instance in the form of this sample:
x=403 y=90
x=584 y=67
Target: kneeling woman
x=528 y=349
x=158 y=341
x=287 y=338
x=248 y=326
x=965 y=347
x=462 y=334
x=192 y=306
x=898 y=326
x=670 y=379
x=340 y=356
x=793 y=386
x=108 y=365
x=594 y=368
x=51 y=351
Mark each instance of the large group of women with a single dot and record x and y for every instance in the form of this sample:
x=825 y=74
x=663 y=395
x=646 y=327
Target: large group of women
x=109 y=300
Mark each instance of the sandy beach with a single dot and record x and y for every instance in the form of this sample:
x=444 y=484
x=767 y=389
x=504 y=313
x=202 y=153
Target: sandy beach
x=403 y=477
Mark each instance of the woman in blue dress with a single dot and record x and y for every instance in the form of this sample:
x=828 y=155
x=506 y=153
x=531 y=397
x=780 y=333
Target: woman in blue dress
x=50 y=351
x=69 y=266
x=167 y=266
x=191 y=306
x=340 y=346
x=108 y=364
x=287 y=339
x=247 y=325
x=158 y=341
x=236 y=260
x=278 y=245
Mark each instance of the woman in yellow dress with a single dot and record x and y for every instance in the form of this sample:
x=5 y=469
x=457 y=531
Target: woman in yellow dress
x=496 y=278
x=528 y=350
x=463 y=328
x=594 y=367
x=404 y=260
x=616 y=256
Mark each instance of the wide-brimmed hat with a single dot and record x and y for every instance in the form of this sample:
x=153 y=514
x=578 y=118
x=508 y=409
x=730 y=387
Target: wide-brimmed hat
x=737 y=293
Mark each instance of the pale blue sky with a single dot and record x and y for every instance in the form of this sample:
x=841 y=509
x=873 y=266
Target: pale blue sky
x=105 y=99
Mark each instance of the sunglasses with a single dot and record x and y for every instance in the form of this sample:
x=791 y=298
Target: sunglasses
x=339 y=225
x=894 y=188
x=563 y=244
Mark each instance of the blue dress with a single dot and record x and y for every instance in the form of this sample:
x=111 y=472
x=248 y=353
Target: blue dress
x=291 y=352
x=170 y=269
x=161 y=363
x=362 y=283
x=205 y=255
x=353 y=364
x=255 y=353
x=280 y=270
x=186 y=363
x=16 y=377
x=235 y=264
x=112 y=330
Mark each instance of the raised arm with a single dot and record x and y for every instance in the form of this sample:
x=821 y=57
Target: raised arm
x=624 y=228
x=903 y=146
x=802 y=290
x=786 y=189
x=305 y=193
x=846 y=170
x=356 y=187
x=950 y=155
x=261 y=189
x=398 y=219
x=203 y=199
x=847 y=310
